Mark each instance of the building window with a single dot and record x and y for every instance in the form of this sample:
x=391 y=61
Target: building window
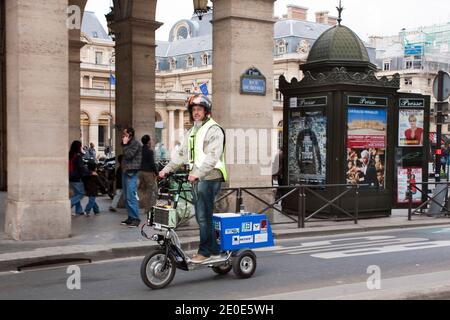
x=103 y=132
x=182 y=33
x=98 y=57
x=386 y=65
x=190 y=62
x=95 y=34
x=429 y=82
x=172 y=63
x=281 y=47
x=278 y=95
x=205 y=59
x=408 y=64
x=408 y=81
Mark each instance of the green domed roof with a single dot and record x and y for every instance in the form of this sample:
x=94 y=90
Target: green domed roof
x=338 y=46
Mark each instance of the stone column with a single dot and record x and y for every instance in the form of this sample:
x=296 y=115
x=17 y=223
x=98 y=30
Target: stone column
x=134 y=28
x=93 y=134
x=91 y=80
x=37 y=117
x=74 y=87
x=243 y=38
x=171 y=129
x=181 y=125
x=75 y=46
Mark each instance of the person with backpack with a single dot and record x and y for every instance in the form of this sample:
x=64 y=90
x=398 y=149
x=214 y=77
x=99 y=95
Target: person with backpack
x=76 y=172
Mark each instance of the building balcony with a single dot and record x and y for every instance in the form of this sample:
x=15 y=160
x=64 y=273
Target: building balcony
x=98 y=93
x=97 y=67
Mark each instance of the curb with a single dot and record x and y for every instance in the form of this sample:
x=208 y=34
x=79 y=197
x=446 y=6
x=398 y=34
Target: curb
x=54 y=256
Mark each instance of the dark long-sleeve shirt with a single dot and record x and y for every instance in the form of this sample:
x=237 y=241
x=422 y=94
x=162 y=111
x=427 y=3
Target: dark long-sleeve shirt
x=148 y=160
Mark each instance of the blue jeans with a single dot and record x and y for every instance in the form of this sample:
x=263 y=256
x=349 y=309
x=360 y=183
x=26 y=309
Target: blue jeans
x=203 y=196
x=92 y=205
x=78 y=194
x=129 y=187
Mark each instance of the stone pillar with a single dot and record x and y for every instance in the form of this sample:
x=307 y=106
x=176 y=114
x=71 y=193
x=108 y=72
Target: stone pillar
x=181 y=125
x=91 y=80
x=75 y=46
x=171 y=129
x=236 y=49
x=74 y=88
x=134 y=29
x=93 y=134
x=37 y=112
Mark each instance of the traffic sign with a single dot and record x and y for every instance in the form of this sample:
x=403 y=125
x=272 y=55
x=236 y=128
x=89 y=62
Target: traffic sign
x=445 y=87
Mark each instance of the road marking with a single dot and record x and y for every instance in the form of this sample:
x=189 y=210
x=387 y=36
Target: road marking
x=354 y=245
x=385 y=249
x=444 y=230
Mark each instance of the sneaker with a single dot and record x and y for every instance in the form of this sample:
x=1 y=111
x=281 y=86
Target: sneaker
x=198 y=258
x=134 y=223
x=87 y=214
x=112 y=209
x=126 y=222
x=97 y=213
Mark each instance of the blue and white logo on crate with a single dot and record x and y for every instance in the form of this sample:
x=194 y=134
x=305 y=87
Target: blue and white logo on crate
x=256 y=227
x=246 y=227
x=232 y=231
x=262 y=237
x=246 y=239
x=235 y=240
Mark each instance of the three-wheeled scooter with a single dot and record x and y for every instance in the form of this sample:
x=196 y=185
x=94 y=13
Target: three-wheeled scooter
x=236 y=234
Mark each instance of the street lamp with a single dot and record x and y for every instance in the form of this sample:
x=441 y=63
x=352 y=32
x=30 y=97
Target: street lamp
x=110 y=120
x=200 y=8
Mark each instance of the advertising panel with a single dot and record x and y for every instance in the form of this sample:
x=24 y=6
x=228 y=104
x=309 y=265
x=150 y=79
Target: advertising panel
x=410 y=128
x=366 y=146
x=405 y=174
x=307 y=147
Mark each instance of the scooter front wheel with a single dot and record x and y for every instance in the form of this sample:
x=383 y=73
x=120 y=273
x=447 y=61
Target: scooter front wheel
x=156 y=272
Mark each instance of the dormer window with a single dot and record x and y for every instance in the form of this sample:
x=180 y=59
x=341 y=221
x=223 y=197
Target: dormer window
x=205 y=59
x=172 y=63
x=190 y=62
x=182 y=33
x=281 y=47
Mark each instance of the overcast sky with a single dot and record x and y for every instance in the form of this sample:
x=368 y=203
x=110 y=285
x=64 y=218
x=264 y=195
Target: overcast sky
x=365 y=17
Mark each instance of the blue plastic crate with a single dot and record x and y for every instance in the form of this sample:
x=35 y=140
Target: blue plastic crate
x=235 y=231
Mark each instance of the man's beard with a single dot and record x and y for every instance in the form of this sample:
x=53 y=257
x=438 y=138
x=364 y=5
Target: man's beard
x=198 y=123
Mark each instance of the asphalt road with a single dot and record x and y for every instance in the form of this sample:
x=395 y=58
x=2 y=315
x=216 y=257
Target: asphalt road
x=412 y=263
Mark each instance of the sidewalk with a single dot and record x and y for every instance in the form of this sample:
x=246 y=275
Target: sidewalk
x=102 y=237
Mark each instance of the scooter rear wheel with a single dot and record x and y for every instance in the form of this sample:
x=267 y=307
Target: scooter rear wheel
x=223 y=269
x=153 y=273
x=244 y=264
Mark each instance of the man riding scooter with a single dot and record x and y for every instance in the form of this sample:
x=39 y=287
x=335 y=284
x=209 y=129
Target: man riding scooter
x=204 y=149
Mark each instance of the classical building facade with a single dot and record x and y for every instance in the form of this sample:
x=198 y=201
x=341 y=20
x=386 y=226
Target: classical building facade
x=184 y=63
x=417 y=55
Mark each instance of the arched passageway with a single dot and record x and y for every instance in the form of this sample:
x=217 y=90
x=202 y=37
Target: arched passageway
x=43 y=95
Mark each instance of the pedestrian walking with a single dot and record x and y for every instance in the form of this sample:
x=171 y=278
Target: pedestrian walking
x=118 y=193
x=76 y=172
x=91 y=184
x=132 y=158
x=147 y=176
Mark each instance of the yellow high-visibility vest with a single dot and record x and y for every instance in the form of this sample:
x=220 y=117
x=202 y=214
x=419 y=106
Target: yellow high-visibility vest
x=196 y=142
